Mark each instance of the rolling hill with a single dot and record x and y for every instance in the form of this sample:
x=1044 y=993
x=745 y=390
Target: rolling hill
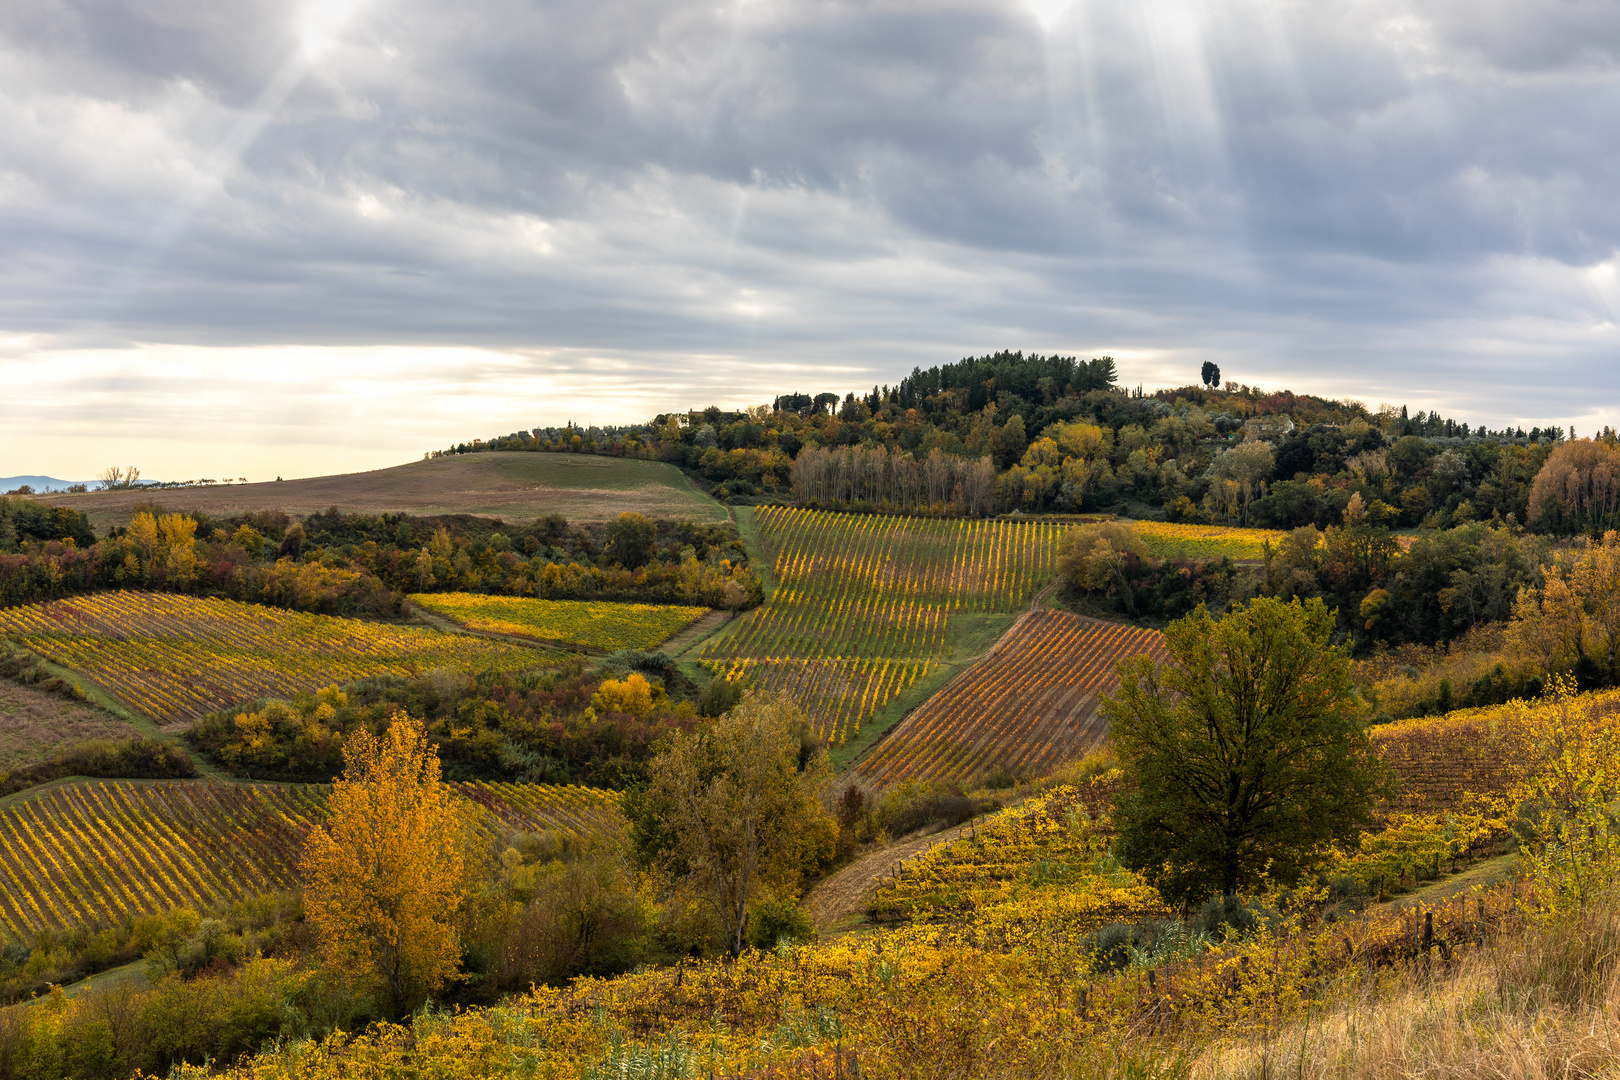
x=506 y=485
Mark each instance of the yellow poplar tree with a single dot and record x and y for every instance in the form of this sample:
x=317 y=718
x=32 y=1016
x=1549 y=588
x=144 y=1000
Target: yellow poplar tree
x=143 y=533
x=179 y=541
x=384 y=875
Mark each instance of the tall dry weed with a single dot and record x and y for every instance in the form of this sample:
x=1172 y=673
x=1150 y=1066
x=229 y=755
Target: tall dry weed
x=1541 y=1004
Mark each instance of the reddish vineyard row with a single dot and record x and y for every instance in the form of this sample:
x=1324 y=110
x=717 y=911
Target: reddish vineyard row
x=1029 y=705
x=97 y=852
x=863 y=603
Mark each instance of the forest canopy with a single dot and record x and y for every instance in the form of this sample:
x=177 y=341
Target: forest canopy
x=1029 y=433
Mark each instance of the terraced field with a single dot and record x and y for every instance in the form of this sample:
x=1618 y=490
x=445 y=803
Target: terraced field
x=177 y=658
x=95 y=852
x=1027 y=706
x=862 y=603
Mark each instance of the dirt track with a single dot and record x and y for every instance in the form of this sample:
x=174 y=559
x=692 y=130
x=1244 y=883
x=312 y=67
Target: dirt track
x=837 y=900
x=699 y=629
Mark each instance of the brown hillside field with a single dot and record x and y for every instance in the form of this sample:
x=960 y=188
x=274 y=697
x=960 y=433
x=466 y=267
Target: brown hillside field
x=34 y=725
x=1026 y=707
x=514 y=485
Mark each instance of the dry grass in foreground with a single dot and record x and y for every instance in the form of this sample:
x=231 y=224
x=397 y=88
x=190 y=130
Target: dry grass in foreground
x=1541 y=1003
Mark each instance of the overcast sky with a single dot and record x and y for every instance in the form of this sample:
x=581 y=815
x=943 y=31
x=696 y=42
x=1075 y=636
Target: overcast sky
x=269 y=237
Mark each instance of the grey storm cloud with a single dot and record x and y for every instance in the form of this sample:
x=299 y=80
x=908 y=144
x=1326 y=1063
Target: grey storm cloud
x=1406 y=194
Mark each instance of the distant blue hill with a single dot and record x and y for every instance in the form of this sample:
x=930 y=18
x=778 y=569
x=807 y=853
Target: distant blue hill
x=38 y=483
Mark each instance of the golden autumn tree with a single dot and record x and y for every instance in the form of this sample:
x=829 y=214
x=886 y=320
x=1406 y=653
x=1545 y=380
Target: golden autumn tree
x=384 y=875
x=1574 y=617
x=143 y=533
x=180 y=544
x=1597 y=579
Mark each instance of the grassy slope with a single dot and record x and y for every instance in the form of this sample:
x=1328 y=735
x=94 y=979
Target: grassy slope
x=1536 y=1003
x=513 y=485
x=34 y=724
x=143 y=724
x=748 y=533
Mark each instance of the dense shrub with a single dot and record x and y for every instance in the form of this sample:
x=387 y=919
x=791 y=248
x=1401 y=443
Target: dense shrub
x=24 y=667
x=720 y=696
x=774 y=919
x=558 y=907
x=1231 y=914
x=137 y=758
x=180 y=940
x=909 y=808
x=538 y=727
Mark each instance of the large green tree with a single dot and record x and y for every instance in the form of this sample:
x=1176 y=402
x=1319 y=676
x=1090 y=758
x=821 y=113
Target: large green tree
x=733 y=809
x=1243 y=754
x=632 y=540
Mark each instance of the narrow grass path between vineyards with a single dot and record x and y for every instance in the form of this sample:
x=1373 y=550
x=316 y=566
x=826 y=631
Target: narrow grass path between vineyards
x=140 y=721
x=748 y=533
x=695 y=632
x=967 y=638
x=837 y=903
x=1482 y=874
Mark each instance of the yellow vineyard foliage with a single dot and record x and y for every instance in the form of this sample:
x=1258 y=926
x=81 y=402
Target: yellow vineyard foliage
x=95 y=853
x=181 y=657
x=598 y=624
x=861 y=603
x=1179 y=540
x=987 y=965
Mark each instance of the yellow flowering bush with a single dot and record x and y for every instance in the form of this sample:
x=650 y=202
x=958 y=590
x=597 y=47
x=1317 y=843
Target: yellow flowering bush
x=633 y=694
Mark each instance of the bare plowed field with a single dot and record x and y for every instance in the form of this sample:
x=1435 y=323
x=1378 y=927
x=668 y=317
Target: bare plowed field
x=1028 y=706
x=513 y=485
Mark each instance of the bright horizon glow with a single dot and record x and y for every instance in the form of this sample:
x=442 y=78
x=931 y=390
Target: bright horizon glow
x=313 y=237
x=330 y=411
